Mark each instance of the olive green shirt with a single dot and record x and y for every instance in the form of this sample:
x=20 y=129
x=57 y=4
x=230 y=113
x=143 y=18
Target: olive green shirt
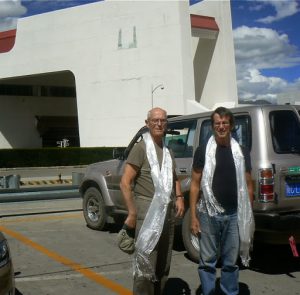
x=143 y=184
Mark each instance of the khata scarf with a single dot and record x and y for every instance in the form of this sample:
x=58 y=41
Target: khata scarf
x=153 y=224
x=210 y=205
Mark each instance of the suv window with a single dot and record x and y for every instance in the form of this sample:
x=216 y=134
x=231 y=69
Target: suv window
x=180 y=138
x=137 y=138
x=285 y=129
x=241 y=132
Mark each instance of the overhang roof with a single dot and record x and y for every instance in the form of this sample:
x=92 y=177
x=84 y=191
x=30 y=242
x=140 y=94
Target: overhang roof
x=203 y=22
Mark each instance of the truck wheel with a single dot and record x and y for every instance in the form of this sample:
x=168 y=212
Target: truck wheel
x=191 y=242
x=94 y=209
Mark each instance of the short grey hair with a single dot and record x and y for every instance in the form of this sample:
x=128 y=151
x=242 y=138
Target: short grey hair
x=150 y=112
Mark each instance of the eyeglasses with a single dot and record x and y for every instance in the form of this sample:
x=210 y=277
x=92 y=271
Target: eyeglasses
x=219 y=124
x=158 y=121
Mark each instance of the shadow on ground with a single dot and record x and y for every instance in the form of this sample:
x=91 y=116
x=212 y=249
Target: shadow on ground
x=110 y=227
x=274 y=259
x=266 y=259
x=177 y=286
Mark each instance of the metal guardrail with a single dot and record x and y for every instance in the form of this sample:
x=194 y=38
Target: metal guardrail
x=11 y=189
x=38 y=194
x=10 y=181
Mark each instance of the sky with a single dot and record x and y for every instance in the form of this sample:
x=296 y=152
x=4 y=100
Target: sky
x=266 y=41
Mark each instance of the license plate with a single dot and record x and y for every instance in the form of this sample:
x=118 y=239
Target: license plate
x=292 y=189
x=294 y=169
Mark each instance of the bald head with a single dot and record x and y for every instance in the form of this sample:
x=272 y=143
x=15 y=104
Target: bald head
x=157 y=124
x=156 y=110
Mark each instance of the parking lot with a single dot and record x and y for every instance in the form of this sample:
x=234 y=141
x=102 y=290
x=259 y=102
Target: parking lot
x=55 y=253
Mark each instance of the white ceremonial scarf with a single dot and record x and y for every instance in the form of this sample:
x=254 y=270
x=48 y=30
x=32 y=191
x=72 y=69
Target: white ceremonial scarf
x=210 y=205
x=152 y=226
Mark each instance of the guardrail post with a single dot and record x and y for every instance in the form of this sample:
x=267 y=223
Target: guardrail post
x=13 y=181
x=77 y=178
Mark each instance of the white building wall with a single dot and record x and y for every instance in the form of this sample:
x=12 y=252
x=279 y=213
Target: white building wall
x=220 y=85
x=292 y=97
x=125 y=77
x=118 y=52
x=113 y=84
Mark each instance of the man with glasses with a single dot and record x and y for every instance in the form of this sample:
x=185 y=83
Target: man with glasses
x=221 y=197
x=152 y=205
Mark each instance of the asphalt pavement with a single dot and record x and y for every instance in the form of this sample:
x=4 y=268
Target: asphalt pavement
x=54 y=252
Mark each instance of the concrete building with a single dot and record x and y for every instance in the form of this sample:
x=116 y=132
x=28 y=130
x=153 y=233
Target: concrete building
x=90 y=73
x=291 y=97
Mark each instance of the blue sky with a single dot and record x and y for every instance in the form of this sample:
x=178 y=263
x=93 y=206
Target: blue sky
x=267 y=47
x=266 y=40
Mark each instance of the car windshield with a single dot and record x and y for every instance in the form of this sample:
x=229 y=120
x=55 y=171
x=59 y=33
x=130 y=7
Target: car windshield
x=180 y=137
x=285 y=128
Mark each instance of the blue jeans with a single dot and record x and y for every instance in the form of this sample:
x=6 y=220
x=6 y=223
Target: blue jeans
x=219 y=238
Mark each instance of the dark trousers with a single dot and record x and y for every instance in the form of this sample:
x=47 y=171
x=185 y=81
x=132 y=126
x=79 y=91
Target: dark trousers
x=160 y=258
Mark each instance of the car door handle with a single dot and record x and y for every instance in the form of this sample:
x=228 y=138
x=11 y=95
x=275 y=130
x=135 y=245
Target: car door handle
x=182 y=170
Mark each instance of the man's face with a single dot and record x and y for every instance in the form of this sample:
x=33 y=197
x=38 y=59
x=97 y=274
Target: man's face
x=222 y=127
x=157 y=123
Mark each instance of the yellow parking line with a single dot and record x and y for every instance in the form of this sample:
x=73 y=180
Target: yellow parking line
x=69 y=263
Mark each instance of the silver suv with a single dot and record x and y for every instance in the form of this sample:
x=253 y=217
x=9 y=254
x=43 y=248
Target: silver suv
x=270 y=132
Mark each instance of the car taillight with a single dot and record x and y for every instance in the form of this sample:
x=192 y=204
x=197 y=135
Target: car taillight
x=266 y=185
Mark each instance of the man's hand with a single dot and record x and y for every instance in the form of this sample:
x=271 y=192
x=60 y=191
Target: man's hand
x=179 y=206
x=195 y=226
x=131 y=221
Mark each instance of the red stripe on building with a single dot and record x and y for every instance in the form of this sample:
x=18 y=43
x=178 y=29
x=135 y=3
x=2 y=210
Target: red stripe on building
x=204 y=22
x=7 y=40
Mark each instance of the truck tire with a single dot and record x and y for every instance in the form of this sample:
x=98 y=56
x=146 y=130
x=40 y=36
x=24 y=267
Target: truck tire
x=94 y=209
x=191 y=242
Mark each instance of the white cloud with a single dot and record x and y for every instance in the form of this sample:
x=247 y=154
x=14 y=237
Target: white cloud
x=283 y=9
x=10 y=10
x=263 y=48
x=253 y=85
x=257 y=49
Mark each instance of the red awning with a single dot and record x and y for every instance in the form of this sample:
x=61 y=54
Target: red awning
x=204 y=22
x=7 y=40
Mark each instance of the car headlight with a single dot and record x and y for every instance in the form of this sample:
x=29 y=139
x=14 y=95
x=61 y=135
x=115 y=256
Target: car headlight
x=4 y=253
